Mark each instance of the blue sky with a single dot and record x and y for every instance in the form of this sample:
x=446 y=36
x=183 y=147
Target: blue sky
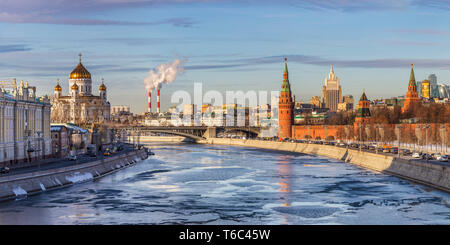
x=229 y=45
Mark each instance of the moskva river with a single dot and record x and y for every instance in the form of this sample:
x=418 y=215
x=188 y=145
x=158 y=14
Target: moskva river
x=205 y=184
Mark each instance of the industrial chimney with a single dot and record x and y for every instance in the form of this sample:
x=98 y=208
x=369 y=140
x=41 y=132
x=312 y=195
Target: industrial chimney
x=157 y=101
x=149 y=101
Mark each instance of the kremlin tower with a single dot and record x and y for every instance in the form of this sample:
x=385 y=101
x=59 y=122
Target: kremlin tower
x=285 y=107
x=412 y=96
x=363 y=111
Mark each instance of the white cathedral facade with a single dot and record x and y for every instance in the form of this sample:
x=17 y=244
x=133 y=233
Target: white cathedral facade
x=80 y=106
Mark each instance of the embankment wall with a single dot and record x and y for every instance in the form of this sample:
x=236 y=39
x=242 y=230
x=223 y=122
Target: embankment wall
x=14 y=186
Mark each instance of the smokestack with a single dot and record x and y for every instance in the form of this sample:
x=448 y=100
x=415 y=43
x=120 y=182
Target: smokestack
x=157 y=100
x=149 y=101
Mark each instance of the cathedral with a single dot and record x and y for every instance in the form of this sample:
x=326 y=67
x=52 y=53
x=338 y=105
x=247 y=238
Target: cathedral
x=80 y=106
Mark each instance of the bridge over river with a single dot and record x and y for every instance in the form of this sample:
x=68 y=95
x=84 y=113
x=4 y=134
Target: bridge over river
x=193 y=132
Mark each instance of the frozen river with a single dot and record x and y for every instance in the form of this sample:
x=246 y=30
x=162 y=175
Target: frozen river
x=208 y=184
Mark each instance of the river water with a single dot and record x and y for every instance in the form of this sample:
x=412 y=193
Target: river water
x=208 y=184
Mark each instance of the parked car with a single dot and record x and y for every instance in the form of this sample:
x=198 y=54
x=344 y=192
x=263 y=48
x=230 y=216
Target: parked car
x=435 y=156
x=442 y=158
x=405 y=152
x=107 y=152
x=416 y=155
x=4 y=170
x=72 y=157
x=427 y=157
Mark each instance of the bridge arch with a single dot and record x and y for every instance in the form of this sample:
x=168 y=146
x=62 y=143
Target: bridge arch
x=172 y=132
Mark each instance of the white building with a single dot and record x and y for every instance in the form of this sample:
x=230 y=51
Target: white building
x=80 y=105
x=116 y=109
x=24 y=125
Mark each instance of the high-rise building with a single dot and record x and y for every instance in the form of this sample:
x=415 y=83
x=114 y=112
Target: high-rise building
x=433 y=86
x=444 y=91
x=332 y=92
x=412 y=96
x=426 y=89
x=419 y=89
x=285 y=107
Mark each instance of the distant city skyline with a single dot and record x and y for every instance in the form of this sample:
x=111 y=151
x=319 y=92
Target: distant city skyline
x=228 y=45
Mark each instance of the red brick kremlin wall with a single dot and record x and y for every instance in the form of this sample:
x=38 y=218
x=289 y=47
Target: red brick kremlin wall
x=338 y=131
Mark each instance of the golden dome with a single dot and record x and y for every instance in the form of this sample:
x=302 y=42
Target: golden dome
x=102 y=87
x=80 y=71
x=58 y=88
x=75 y=86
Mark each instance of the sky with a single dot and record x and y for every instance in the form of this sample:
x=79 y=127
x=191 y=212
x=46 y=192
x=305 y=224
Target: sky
x=226 y=44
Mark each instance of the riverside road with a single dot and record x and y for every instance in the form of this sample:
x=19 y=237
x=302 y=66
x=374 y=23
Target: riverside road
x=59 y=163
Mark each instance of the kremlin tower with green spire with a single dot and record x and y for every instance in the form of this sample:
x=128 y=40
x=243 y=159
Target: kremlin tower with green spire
x=412 y=96
x=285 y=107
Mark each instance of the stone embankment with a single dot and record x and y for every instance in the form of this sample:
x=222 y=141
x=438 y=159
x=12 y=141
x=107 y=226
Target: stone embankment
x=21 y=185
x=146 y=139
x=434 y=175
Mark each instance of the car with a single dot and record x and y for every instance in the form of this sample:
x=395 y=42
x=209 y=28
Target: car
x=416 y=155
x=427 y=157
x=405 y=152
x=4 y=170
x=442 y=158
x=72 y=157
x=114 y=150
x=435 y=156
x=107 y=152
x=385 y=150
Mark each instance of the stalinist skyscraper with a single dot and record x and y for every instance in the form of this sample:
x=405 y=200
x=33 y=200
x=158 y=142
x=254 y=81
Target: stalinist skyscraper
x=332 y=92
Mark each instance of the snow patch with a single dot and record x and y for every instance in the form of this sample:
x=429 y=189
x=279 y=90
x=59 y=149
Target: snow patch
x=57 y=181
x=42 y=186
x=19 y=191
x=78 y=177
x=117 y=166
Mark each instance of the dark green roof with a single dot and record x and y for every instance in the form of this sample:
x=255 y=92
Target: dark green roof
x=363 y=97
x=412 y=79
x=285 y=86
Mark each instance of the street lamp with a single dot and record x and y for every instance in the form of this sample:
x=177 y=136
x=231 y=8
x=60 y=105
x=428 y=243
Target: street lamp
x=426 y=138
x=376 y=137
x=443 y=143
x=360 y=136
x=398 y=127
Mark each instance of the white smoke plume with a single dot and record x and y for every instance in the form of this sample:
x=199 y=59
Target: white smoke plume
x=164 y=73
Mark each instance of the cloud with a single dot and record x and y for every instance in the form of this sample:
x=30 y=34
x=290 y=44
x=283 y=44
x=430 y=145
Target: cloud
x=37 y=19
x=59 y=12
x=352 y=6
x=436 y=4
x=319 y=61
x=423 y=31
x=13 y=48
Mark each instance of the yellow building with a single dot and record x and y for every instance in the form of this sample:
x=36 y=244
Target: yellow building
x=426 y=91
